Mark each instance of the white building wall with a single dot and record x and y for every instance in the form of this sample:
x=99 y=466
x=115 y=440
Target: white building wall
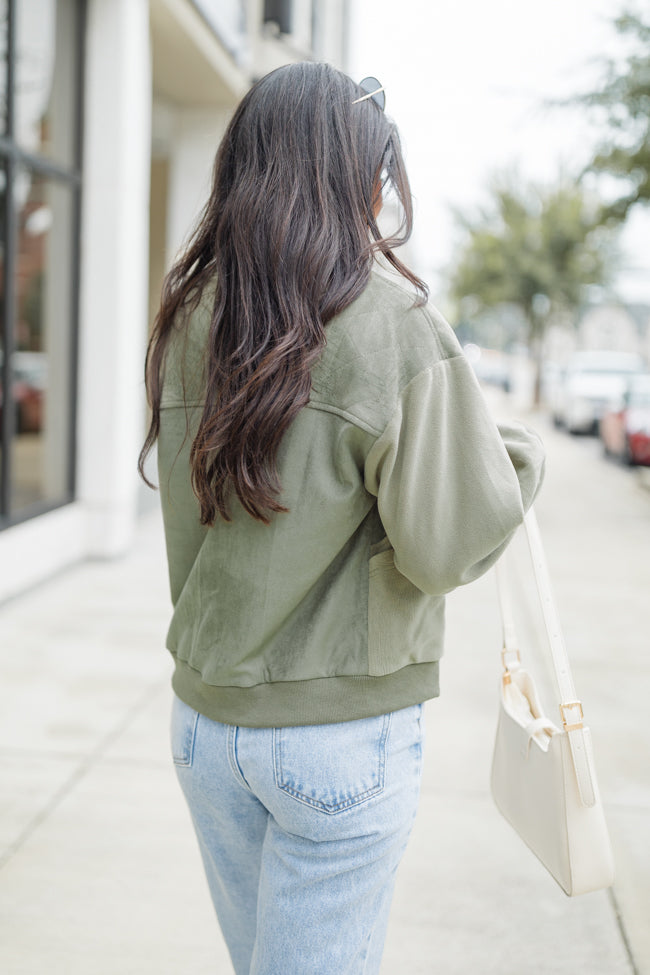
x=196 y=137
x=325 y=26
x=609 y=327
x=114 y=268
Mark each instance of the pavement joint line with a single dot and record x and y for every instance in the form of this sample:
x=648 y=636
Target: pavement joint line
x=622 y=930
x=137 y=763
x=81 y=771
x=25 y=754
x=51 y=578
x=49 y=753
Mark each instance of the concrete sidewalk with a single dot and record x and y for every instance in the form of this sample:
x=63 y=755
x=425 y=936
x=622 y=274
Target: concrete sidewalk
x=100 y=874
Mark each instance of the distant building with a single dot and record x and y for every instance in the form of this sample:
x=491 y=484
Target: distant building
x=609 y=325
x=110 y=114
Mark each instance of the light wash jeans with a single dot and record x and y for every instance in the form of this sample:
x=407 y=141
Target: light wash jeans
x=301 y=830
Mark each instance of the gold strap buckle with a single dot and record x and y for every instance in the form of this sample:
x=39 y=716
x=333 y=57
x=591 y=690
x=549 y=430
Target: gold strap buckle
x=510 y=660
x=510 y=657
x=569 y=706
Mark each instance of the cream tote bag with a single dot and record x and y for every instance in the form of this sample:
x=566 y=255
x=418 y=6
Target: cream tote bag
x=543 y=777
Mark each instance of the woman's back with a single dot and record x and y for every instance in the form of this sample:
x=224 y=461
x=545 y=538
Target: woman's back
x=309 y=619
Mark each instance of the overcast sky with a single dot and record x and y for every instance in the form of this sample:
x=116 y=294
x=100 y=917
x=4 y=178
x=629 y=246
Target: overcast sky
x=467 y=82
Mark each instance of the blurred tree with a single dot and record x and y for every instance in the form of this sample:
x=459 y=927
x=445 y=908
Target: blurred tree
x=625 y=103
x=534 y=248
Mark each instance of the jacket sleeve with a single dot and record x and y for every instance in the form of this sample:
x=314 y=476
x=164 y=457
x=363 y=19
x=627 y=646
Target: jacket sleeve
x=451 y=486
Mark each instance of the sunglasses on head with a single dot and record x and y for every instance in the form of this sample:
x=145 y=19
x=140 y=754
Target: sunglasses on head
x=372 y=89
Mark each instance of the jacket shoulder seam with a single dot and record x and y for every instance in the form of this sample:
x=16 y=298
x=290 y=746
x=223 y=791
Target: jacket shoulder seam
x=374 y=430
x=448 y=360
x=324 y=407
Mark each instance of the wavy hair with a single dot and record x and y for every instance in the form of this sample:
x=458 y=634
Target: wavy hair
x=288 y=235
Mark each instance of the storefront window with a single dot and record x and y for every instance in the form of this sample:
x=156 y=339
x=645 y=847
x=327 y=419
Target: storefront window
x=42 y=360
x=39 y=210
x=46 y=67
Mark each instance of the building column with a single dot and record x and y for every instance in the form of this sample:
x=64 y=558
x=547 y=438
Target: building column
x=192 y=148
x=114 y=269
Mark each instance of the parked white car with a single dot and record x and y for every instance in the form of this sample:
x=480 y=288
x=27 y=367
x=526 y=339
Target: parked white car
x=592 y=381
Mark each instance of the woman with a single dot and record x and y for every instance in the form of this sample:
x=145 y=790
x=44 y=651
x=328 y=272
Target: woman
x=328 y=471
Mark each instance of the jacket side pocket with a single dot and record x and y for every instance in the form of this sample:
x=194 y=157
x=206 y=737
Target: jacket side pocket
x=405 y=625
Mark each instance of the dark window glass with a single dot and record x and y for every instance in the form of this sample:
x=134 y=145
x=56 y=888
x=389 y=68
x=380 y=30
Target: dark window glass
x=41 y=362
x=46 y=78
x=3 y=199
x=4 y=63
x=279 y=12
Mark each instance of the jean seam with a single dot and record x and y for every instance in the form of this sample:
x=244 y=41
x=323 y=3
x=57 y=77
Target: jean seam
x=189 y=740
x=235 y=768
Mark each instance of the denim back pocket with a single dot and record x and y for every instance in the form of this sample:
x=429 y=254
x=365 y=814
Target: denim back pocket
x=183 y=732
x=332 y=767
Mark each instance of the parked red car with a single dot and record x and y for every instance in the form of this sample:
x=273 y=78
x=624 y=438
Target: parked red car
x=625 y=430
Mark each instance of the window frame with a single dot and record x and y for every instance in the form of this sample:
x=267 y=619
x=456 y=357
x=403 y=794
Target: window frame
x=12 y=157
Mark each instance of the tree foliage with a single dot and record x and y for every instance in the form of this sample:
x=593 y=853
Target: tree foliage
x=625 y=101
x=531 y=244
x=535 y=248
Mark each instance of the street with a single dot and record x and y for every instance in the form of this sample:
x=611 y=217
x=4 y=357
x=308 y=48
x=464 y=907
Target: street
x=100 y=872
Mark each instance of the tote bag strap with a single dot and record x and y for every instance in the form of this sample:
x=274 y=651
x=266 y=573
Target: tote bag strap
x=570 y=706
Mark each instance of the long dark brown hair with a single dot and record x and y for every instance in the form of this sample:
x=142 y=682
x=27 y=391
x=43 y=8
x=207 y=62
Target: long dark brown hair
x=288 y=235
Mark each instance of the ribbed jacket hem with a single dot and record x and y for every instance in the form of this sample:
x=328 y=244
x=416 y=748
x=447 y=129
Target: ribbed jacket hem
x=323 y=700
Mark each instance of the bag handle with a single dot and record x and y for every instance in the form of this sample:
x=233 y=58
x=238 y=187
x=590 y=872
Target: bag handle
x=570 y=706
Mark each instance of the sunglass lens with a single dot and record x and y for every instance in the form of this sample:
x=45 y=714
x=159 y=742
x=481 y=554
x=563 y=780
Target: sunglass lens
x=371 y=86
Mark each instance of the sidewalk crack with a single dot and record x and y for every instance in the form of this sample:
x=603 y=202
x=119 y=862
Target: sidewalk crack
x=81 y=771
x=622 y=930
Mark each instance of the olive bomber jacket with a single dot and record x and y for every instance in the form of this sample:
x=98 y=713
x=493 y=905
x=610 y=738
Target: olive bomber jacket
x=400 y=488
